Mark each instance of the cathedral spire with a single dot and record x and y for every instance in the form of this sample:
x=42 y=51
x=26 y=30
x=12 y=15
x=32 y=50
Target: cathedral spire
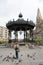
x=39 y=14
x=39 y=17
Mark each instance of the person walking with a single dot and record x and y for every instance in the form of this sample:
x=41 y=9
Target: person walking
x=16 y=46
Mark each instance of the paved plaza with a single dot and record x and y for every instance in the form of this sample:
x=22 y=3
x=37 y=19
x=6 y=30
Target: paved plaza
x=26 y=56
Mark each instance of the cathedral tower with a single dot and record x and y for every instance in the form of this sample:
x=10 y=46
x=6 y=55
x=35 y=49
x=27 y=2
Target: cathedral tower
x=39 y=25
x=38 y=17
x=38 y=20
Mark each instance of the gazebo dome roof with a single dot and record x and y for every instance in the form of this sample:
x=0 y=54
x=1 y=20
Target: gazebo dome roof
x=20 y=23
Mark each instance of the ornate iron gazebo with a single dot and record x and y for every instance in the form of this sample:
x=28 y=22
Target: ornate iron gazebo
x=20 y=25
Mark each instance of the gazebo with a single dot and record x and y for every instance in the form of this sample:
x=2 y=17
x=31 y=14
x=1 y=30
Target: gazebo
x=20 y=25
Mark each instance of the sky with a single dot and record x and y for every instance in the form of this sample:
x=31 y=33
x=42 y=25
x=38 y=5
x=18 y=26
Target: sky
x=10 y=9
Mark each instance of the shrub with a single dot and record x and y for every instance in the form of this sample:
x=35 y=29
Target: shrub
x=26 y=39
x=0 y=42
x=38 y=40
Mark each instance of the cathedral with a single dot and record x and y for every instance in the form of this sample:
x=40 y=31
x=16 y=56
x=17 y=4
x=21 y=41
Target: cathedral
x=38 y=33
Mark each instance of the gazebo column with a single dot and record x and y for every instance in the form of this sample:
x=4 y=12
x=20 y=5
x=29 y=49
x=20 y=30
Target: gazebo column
x=9 y=37
x=24 y=36
x=16 y=36
x=31 y=34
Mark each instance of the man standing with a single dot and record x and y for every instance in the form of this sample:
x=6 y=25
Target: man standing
x=16 y=46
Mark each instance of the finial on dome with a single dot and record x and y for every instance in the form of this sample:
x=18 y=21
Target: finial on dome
x=20 y=15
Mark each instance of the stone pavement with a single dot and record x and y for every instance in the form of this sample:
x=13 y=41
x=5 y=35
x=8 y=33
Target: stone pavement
x=26 y=56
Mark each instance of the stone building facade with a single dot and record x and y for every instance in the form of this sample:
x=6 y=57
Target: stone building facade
x=3 y=33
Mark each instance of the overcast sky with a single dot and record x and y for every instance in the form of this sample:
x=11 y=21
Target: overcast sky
x=10 y=9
